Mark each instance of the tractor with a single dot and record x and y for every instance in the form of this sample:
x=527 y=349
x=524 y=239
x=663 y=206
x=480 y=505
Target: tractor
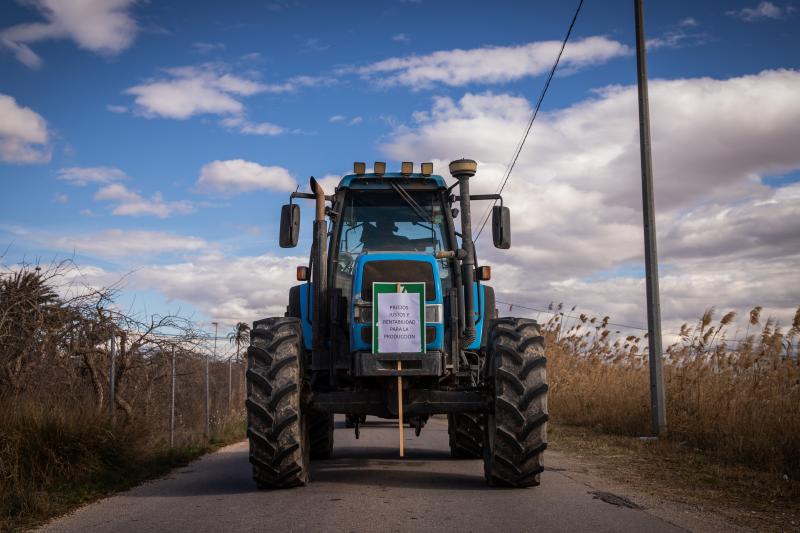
x=457 y=358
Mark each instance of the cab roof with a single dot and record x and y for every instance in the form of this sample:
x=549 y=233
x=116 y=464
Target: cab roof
x=354 y=179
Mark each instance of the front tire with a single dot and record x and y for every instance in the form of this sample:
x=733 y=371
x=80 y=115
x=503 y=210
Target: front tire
x=516 y=427
x=276 y=426
x=466 y=435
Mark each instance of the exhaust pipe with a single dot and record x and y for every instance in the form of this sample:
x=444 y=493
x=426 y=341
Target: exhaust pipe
x=319 y=197
x=463 y=170
x=319 y=274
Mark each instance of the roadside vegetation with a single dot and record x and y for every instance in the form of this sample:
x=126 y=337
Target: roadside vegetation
x=736 y=400
x=61 y=441
x=733 y=406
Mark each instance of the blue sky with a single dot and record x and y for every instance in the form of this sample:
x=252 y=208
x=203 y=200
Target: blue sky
x=116 y=113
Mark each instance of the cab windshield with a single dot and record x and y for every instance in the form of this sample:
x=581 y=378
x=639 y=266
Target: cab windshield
x=390 y=221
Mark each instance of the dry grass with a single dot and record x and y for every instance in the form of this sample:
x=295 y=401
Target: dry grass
x=59 y=443
x=695 y=480
x=55 y=456
x=736 y=402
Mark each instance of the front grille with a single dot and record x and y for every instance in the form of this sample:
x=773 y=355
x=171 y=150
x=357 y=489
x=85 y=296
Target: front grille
x=397 y=271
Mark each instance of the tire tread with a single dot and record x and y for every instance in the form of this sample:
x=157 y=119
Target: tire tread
x=516 y=430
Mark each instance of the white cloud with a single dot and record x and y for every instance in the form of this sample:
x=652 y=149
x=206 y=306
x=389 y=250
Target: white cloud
x=250 y=57
x=206 y=48
x=342 y=119
x=487 y=65
x=764 y=10
x=726 y=238
x=116 y=192
x=228 y=289
x=23 y=133
x=210 y=89
x=296 y=83
x=102 y=26
x=746 y=127
x=207 y=89
x=684 y=33
x=236 y=176
x=130 y=203
x=117 y=108
x=252 y=128
x=316 y=45
x=115 y=243
x=61 y=198
x=189 y=91
x=401 y=38
x=328 y=182
x=81 y=176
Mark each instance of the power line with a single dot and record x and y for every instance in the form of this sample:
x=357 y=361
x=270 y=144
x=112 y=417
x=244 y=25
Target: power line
x=520 y=145
x=617 y=324
x=628 y=326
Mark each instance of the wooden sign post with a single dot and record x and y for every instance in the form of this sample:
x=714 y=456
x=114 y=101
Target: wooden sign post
x=398 y=326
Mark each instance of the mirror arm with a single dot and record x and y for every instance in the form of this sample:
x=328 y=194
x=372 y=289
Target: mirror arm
x=483 y=197
x=309 y=196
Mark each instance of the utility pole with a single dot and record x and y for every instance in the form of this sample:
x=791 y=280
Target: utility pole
x=112 y=379
x=172 y=405
x=230 y=382
x=208 y=406
x=657 y=407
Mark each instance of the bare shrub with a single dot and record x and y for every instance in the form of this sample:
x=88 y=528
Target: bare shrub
x=62 y=436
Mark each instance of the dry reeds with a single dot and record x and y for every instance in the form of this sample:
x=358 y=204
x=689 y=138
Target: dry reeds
x=737 y=400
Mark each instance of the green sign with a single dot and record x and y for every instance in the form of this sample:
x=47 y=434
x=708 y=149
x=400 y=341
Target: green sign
x=398 y=317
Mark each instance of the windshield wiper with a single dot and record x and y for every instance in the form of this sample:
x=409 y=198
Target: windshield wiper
x=407 y=198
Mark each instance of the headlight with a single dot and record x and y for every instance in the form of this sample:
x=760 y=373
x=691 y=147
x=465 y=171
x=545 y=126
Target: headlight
x=363 y=313
x=433 y=313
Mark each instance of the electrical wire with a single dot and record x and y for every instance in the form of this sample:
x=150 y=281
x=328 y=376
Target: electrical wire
x=550 y=311
x=521 y=144
x=626 y=326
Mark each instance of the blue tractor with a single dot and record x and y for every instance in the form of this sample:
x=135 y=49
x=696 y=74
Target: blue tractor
x=486 y=373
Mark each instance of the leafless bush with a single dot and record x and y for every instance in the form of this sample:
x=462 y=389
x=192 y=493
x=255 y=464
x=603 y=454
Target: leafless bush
x=56 y=341
x=62 y=437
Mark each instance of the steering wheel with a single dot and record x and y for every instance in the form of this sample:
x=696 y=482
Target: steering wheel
x=346 y=263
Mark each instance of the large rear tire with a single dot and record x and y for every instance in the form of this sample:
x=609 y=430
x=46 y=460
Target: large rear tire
x=466 y=435
x=276 y=426
x=516 y=427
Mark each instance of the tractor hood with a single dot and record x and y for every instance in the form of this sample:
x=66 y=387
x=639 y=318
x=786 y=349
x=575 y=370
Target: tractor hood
x=396 y=267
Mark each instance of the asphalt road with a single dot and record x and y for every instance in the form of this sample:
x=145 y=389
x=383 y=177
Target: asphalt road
x=365 y=487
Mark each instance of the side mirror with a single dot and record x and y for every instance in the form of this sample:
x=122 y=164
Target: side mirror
x=501 y=227
x=290 y=225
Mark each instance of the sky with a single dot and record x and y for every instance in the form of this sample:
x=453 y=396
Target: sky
x=154 y=143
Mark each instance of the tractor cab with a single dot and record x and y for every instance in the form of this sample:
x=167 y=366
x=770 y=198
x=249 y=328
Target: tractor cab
x=398 y=227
